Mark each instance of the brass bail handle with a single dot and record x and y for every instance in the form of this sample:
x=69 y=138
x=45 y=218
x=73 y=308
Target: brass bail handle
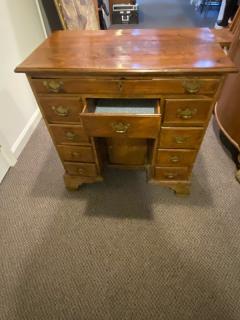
x=175 y=159
x=192 y=86
x=186 y=113
x=70 y=135
x=181 y=139
x=120 y=127
x=54 y=86
x=61 y=111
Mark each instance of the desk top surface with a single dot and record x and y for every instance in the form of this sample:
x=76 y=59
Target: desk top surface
x=131 y=51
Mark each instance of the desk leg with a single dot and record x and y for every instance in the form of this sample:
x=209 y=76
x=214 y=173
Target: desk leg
x=181 y=189
x=72 y=183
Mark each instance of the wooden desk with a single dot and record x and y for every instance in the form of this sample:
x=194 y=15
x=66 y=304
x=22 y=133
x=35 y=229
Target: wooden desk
x=139 y=99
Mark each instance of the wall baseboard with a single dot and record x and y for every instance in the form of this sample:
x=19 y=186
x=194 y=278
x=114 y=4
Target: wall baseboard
x=26 y=133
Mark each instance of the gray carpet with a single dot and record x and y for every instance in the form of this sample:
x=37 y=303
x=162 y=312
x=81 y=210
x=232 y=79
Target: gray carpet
x=120 y=249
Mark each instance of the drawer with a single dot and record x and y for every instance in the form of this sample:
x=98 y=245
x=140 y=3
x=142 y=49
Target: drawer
x=68 y=134
x=181 y=138
x=173 y=85
x=171 y=174
x=74 y=153
x=172 y=158
x=183 y=112
x=81 y=169
x=154 y=86
x=117 y=124
x=61 y=109
x=75 y=85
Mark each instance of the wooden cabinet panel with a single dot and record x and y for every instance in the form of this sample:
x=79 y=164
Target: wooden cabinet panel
x=81 y=169
x=181 y=138
x=61 y=109
x=74 y=153
x=68 y=134
x=127 y=151
x=186 y=112
x=172 y=158
x=171 y=174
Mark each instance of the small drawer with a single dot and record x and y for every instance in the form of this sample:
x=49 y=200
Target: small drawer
x=157 y=86
x=71 y=153
x=121 y=123
x=76 y=85
x=181 y=138
x=172 y=158
x=171 y=174
x=61 y=109
x=68 y=134
x=189 y=112
x=81 y=169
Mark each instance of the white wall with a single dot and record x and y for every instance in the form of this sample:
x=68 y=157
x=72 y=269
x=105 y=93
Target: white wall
x=21 y=32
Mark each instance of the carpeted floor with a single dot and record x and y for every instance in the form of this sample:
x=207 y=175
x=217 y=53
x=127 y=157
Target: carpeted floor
x=121 y=249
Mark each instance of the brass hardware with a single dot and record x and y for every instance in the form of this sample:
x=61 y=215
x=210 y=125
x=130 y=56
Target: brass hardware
x=175 y=159
x=187 y=113
x=61 y=111
x=171 y=176
x=53 y=85
x=70 y=135
x=81 y=170
x=120 y=127
x=120 y=86
x=192 y=86
x=75 y=154
x=181 y=139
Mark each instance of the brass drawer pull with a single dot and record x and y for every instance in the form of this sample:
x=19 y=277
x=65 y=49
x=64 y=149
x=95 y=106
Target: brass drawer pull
x=171 y=175
x=53 y=85
x=75 y=154
x=61 y=111
x=174 y=159
x=70 y=135
x=181 y=140
x=120 y=127
x=192 y=86
x=81 y=171
x=187 y=113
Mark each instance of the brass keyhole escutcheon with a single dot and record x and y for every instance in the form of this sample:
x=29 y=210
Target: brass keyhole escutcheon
x=192 y=86
x=120 y=127
x=61 y=111
x=70 y=135
x=187 y=113
x=54 y=86
x=120 y=86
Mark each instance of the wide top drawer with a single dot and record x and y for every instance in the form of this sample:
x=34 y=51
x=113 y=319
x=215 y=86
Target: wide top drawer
x=127 y=87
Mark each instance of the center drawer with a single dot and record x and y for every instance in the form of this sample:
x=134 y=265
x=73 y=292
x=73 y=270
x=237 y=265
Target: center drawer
x=121 y=120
